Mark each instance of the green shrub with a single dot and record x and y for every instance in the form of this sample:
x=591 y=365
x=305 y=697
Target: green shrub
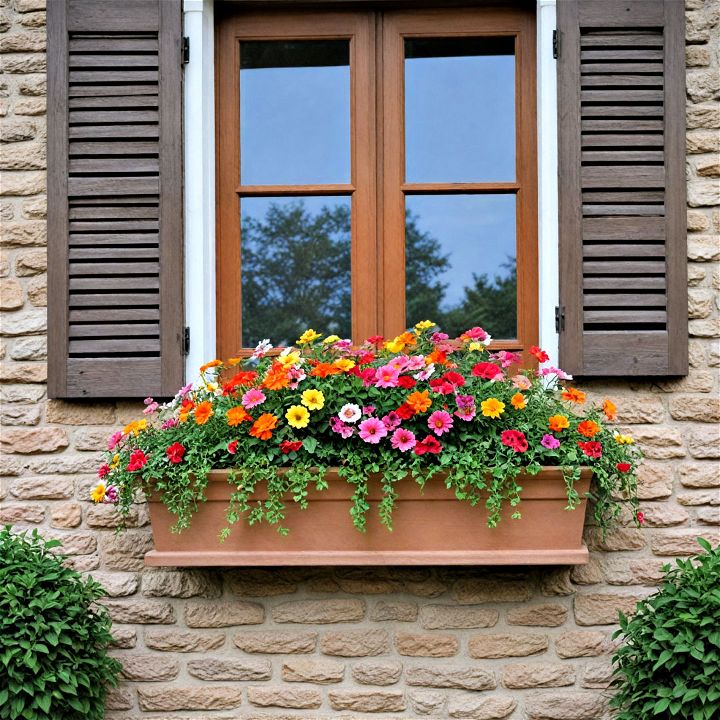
x=53 y=638
x=669 y=663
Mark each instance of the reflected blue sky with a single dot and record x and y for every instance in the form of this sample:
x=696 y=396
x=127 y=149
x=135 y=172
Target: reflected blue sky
x=476 y=231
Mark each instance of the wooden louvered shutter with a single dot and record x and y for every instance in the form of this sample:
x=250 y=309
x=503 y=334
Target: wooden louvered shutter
x=115 y=305
x=621 y=110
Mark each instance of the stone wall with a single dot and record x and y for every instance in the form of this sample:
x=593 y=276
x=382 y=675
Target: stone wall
x=303 y=643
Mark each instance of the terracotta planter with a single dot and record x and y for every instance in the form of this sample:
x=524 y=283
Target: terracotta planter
x=430 y=528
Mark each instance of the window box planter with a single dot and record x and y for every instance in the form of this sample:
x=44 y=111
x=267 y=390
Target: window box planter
x=430 y=527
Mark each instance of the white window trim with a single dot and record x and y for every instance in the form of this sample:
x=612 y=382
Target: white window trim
x=199 y=203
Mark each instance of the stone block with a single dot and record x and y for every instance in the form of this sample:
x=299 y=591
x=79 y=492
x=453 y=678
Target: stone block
x=495 y=707
x=447 y=617
x=180 y=641
x=285 y=697
x=126 y=550
x=276 y=642
x=318 y=612
x=577 y=705
x=214 y=614
x=32 y=348
x=503 y=646
x=542 y=615
x=538 y=675
x=11 y=294
x=117 y=584
x=23 y=373
x=580 y=643
x=140 y=612
x=19 y=514
x=33 y=440
x=654 y=481
x=367 y=701
x=73 y=413
x=355 y=643
x=148 y=668
x=257 y=582
x=426 y=644
x=705 y=443
x=450 y=676
x=181 y=583
x=123 y=637
x=321 y=672
x=682 y=542
x=374 y=672
x=700 y=475
x=426 y=702
x=49 y=487
x=603 y=608
x=394 y=610
x=16 y=414
x=165 y=698
x=473 y=591
x=216 y=669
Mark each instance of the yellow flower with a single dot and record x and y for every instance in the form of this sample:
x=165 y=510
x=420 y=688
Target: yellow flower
x=395 y=346
x=135 y=427
x=344 y=364
x=212 y=387
x=234 y=361
x=330 y=339
x=623 y=439
x=475 y=346
x=290 y=359
x=308 y=336
x=297 y=416
x=98 y=493
x=115 y=461
x=424 y=324
x=492 y=407
x=313 y=399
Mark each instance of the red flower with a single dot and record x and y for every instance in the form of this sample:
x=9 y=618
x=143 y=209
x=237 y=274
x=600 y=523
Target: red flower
x=405 y=411
x=538 y=354
x=175 y=453
x=138 y=459
x=591 y=448
x=428 y=445
x=640 y=517
x=454 y=378
x=441 y=386
x=104 y=471
x=288 y=446
x=232 y=447
x=623 y=467
x=514 y=439
x=407 y=382
x=376 y=340
x=365 y=359
x=487 y=371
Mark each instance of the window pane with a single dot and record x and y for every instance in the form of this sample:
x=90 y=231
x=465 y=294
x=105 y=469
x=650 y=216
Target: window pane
x=460 y=262
x=459 y=109
x=295 y=256
x=294 y=112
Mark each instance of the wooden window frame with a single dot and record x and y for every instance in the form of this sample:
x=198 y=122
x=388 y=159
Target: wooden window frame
x=377 y=187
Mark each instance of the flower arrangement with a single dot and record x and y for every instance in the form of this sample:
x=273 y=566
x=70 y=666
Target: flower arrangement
x=419 y=404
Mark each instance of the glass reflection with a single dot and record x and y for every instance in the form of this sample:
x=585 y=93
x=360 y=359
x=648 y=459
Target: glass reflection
x=460 y=262
x=294 y=112
x=295 y=259
x=459 y=109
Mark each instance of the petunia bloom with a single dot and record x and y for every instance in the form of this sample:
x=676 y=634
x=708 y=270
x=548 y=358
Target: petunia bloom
x=550 y=442
x=387 y=377
x=428 y=445
x=288 y=446
x=403 y=440
x=232 y=447
x=557 y=423
x=372 y=430
x=313 y=399
x=514 y=439
x=103 y=471
x=487 y=371
x=350 y=413
x=623 y=467
x=297 y=416
x=492 y=408
x=391 y=420
x=262 y=428
x=440 y=422
x=114 y=439
x=138 y=460
x=339 y=427
x=175 y=453
x=591 y=448
x=588 y=428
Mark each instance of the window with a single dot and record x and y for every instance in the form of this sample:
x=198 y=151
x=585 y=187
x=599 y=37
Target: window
x=376 y=169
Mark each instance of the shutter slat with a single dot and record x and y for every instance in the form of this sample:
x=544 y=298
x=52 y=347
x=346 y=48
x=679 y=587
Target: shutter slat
x=622 y=192
x=115 y=212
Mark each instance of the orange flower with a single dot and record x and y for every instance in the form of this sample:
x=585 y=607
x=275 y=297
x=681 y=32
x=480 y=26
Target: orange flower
x=211 y=364
x=203 y=412
x=573 y=395
x=237 y=415
x=186 y=409
x=262 y=428
x=558 y=422
x=588 y=428
x=518 y=401
x=610 y=409
x=276 y=378
x=244 y=378
x=419 y=402
x=322 y=370
x=345 y=364
x=234 y=361
x=438 y=357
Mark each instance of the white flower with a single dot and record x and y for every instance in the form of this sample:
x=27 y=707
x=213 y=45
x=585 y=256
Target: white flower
x=426 y=373
x=350 y=413
x=263 y=347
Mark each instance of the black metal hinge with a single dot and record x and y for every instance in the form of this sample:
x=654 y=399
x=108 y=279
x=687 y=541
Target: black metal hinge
x=186 y=341
x=559 y=318
x=185 y=51
x=556 y=44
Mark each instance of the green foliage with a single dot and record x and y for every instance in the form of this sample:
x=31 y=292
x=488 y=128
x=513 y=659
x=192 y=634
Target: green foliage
x=53 y=637
x=669 y=663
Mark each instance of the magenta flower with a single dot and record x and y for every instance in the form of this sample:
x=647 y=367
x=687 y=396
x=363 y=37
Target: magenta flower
x=111 y=494
x=392 y=420
x=170 y=422
x=368 y=410
x=440 y=422
x=387 y=377
x=507 y=358
x=151 y=408
x=340 y=427
x=368 y=376
x=550 y=442
x=465 y=401
x=373 y=430
x=476 y=333
x=252 y=398
x=438 y=337
x=465 y=413
x=403 y=440
x=399 y=363
x=114 y=439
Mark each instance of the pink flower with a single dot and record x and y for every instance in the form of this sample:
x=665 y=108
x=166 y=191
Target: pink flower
x=368 y=410
x=440 y=422
x=399 y=363
x=550 y=442
x=391 y=420
x=368 y=376
x=521 y=382
x=151 y=408
x=232 y=447
x=438 y=337
x=342 y=344
x=387 y=377
x=340 y=427
x=476 y=333
x=103 y=471
x=373 y=430
x=184 y=390
x=465 y=401
x=640 y=517
x=415 y=362
x=514 y=439
x=114 y=439
x=138 y=459
x=465 y=413
x=507 y=358
x=426 y=373
x=252 y=398
x=111 y=494
x=561 y=374
x=170 y=422
x=403 y=440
